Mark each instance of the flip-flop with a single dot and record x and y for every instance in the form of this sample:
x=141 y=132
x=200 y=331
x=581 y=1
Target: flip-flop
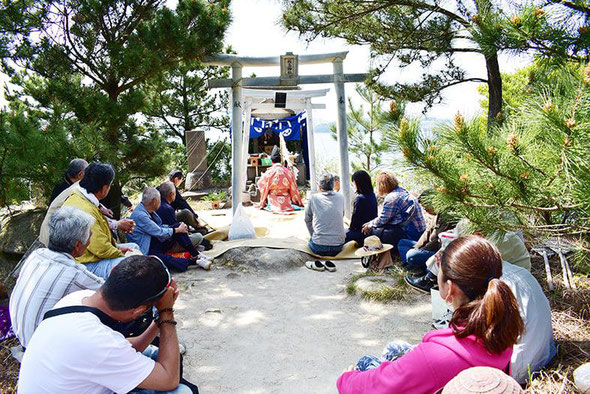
x=331 y=267
x=315 y=265
x=365 y=261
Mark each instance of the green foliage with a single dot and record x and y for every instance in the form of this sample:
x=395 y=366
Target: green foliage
x=432 y=34
x=220 y=196
x=364 y=127
x=532 y=173
x=179 y=100
x=90 y=66
x=526 y=83
x=219 y=161
x=31 y=156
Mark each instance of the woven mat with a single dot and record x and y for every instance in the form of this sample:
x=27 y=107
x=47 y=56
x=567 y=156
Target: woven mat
x=221 y=245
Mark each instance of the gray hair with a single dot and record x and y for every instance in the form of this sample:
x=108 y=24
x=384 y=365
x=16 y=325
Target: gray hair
x=75 y=167
x=166 y=188
x=149 y=194
x=67 y=226
x=327 y=182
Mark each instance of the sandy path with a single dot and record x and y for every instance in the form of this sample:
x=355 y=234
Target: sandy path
x=282 y=333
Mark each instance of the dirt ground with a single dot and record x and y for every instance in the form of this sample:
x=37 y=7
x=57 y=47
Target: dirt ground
x=268 y=332
x=289 y=332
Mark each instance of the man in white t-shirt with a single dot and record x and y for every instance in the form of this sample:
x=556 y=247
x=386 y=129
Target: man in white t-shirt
x=79 y=352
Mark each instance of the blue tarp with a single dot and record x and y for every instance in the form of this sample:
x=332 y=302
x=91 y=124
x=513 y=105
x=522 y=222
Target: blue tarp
x=293 y=128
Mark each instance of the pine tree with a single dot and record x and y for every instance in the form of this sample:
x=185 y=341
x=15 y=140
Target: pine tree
x=532 y=173
x=180 y=101
x=114 y=48
x=365 y=127
x=432 y=34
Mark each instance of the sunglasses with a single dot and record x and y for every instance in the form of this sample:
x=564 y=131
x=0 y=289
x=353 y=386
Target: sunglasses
x=161 y=292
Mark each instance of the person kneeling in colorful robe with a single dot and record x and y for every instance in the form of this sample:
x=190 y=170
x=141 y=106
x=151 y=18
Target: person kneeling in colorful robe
x=278 y=189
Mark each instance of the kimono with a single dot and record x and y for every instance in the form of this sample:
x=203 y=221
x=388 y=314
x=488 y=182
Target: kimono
x=278 y=189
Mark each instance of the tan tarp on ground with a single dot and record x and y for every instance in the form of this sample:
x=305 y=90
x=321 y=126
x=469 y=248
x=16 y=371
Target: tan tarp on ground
x=220 y=248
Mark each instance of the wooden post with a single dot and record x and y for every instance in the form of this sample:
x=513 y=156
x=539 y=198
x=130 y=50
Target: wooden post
x=342 y=134
x=311 y=147
x=236 y=140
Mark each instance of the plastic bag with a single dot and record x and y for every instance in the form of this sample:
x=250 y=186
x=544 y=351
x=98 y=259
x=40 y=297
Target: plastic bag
x=241 y=226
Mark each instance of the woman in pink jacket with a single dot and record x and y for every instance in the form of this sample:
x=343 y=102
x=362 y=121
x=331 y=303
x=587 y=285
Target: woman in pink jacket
x=485 y=325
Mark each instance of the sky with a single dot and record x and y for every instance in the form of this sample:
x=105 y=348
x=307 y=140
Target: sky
x=256 y=31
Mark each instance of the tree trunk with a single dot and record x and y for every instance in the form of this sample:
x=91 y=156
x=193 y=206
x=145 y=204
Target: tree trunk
x=113 y=200
x=494 y=90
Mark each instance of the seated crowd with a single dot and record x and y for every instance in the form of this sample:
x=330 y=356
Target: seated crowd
x=85 y=300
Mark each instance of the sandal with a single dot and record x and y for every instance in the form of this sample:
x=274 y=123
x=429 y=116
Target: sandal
x=330 y=266
x=315 y=265
x=365 y=261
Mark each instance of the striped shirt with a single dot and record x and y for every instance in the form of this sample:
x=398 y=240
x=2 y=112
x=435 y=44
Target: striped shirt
x=396 y=208
x=45 y=278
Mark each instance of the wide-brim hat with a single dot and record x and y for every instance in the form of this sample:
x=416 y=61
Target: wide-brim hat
x=482 y=380
x=372 y=247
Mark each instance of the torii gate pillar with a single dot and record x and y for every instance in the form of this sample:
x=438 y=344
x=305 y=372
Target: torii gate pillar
x=342 y=133
x=236 y=136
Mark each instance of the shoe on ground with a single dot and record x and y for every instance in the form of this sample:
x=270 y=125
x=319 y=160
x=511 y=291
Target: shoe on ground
x=204 y=263
x=420 y=283
x=330 y=266
x=315 y=265
x=206 y=244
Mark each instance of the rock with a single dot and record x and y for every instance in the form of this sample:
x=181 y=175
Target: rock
x=263 y=259
x=374 y=283
x=18 y=232
x=213 y=310
x=232 y=275
x=582 y=378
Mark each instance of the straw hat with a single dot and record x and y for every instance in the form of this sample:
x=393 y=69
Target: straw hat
x=372 y=246
x=482 y=380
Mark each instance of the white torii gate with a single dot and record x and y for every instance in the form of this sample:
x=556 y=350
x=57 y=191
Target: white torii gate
x=289 y=77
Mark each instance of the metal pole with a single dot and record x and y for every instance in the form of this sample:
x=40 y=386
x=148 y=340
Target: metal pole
x=236 y=137
x=311 y=147
x=342 y=134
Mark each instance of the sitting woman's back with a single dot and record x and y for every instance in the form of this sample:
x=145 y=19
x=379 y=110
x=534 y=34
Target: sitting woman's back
x=364 y=207
x=485 y=325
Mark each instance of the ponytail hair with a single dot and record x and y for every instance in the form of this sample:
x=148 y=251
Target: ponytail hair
x=492 y=313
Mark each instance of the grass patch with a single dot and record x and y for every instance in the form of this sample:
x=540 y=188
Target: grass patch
x=8 y=367
x=399 y=291
x=386 y=294
x=351 y=288
x=570 y=317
